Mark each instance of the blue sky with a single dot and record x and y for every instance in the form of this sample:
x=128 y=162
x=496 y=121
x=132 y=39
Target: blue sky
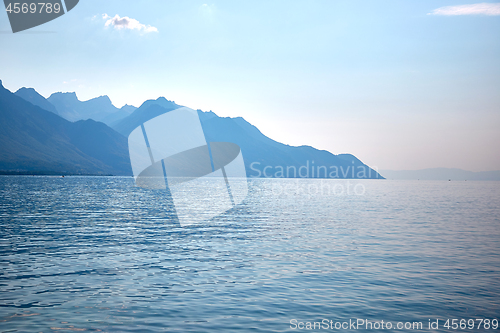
x=399 y=84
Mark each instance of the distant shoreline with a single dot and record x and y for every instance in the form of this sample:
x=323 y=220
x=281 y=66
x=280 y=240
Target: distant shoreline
x=440 y=174
x=59 y=174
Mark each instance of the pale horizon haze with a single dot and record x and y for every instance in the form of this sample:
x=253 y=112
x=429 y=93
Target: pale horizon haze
x=402 y=85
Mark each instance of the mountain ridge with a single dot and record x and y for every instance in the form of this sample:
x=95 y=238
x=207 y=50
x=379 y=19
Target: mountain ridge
x=32 y=96
x=34 y=139
x=260 y=153
x=97 y=146
x=98 y=108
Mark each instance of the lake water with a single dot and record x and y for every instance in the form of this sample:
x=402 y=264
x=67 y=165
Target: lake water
x=99 y=254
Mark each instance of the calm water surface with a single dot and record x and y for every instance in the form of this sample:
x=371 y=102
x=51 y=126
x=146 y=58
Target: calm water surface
x=99 y=254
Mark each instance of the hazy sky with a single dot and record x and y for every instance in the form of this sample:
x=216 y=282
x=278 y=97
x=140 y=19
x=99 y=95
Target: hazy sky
x=399 y=84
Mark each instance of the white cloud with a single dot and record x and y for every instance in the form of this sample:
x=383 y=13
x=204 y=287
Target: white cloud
x=484 y=8
x=125 y=22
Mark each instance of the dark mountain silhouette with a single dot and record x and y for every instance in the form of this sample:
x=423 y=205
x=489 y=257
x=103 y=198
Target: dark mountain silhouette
x=258 y=150
x=32 y=96
x=33 y=139
x=99 y=109
x=36 y=140
x=148 y=110
x=281 y=160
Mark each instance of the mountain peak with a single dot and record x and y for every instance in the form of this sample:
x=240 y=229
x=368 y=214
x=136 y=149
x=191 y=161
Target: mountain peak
x=72 y=109
x=127 y=106
x=148 y=110
x=103 y=98
x=161 y=101
x=64 y=95
x=26 y=89
x=67 y=93
x=101 y=102
x=32 y=96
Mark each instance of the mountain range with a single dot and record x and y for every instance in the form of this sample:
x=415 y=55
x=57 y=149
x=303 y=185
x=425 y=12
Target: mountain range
x=62 y=134
x=99 y=108
x=34 y=140
x=32 y=96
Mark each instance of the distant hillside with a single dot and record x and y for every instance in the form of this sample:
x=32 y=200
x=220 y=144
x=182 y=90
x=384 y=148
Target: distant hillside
x=148 y=110
x=263 y=156
x=33 y=139
x=36 y=140
x=261 y=152
x=99 y=109
x=440 y=174
x=32 y=96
